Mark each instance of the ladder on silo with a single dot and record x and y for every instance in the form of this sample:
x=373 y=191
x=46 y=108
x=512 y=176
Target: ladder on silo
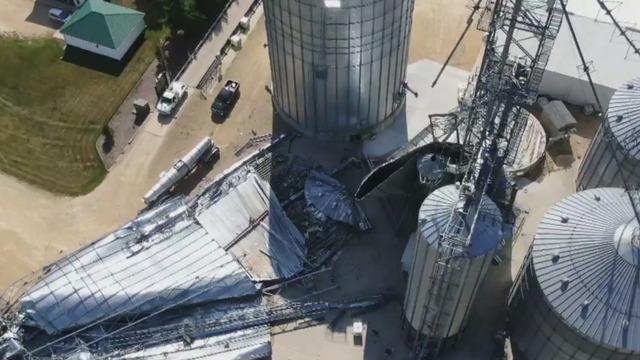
x=450 y=249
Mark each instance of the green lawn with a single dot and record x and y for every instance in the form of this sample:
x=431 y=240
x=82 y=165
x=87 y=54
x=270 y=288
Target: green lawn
x=52 y=112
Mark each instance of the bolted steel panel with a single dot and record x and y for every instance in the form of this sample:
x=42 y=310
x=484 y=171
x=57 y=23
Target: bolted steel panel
x=338 y=67
x=433 y=218
x=613 y=158
x=581 y=296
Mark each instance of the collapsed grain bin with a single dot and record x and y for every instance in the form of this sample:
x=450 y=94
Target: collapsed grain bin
x=579 y=294
x=613 y=159
x=529 y=148
x=437 y=302
x=338 y=67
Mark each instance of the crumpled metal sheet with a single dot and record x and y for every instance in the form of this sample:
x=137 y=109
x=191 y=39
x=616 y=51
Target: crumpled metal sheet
x=251 y=343
x=161 y=258
x=432 y=170
x=247 y=220
x=332 y=199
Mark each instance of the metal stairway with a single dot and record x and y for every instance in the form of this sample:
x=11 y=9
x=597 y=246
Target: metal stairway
x=551 y=29
x=446 y=268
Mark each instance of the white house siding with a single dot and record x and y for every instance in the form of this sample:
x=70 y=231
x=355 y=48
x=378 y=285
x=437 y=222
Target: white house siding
x=106 y=51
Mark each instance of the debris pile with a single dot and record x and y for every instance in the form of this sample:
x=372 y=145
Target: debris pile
x=185 y=276
x=328 y=197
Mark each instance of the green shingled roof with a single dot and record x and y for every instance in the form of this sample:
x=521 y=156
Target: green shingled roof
x=102 y=23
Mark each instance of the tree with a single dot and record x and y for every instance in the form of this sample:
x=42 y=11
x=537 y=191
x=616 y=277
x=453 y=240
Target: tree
x=183 y=14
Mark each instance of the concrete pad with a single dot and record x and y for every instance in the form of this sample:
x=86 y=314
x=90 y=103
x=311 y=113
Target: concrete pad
x=415 y=118
x=29 y=17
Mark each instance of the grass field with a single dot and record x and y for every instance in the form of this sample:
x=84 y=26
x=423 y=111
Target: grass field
x=52 y=112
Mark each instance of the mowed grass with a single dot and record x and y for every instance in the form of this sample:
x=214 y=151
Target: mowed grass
x=52 y=112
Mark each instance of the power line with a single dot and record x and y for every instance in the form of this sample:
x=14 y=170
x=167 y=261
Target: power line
x=582 y=59
x=623 y=32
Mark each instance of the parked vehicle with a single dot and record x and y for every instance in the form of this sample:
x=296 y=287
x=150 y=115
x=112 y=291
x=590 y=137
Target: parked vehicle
x=59 y=15
x=226 y=99
x=206 y=150
x=171 y=97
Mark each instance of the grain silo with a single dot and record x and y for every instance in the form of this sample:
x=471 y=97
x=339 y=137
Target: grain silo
x=337 y=66
x=579 y=297
x=447 y=317
x=613 y=158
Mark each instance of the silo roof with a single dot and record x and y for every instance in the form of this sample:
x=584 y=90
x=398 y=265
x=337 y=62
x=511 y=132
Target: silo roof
x=586 y=257
x=438 y=208
x=623 y=117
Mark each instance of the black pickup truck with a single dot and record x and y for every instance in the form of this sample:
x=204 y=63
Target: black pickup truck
x=226 y=99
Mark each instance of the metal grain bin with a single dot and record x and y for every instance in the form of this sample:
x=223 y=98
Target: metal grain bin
x=580 y=294
x=338 y=67
x=613 y=158
x=433 y=218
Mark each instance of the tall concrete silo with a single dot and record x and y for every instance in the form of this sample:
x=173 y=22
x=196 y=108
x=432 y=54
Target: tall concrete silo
x=579 y=297
x=613 y=158
x=338 y=66
x=463 y=281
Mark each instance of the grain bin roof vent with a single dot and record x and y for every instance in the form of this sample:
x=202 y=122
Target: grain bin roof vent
x=598 y=269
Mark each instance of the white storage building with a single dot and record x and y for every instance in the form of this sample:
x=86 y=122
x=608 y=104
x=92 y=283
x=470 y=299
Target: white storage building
x=609 y=56
x=104 y=28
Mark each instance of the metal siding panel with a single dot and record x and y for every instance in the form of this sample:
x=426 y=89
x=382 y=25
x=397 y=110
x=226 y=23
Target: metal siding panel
x=433 y=218
x=619 y=136
x=357 y=66
x=594 y=255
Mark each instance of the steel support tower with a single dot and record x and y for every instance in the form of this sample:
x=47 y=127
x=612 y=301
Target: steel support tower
x=520 y=37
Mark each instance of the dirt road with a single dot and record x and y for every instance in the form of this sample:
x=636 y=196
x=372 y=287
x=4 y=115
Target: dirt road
x=37 y=227
x=437 y=25
x=27 y=17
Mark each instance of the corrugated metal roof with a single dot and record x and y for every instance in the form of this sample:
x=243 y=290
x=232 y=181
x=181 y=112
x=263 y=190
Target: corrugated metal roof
x=626 y=12
x=623 y=117
x=332 y=199
x=610 y=60
x=251 y=343
x=438 y=208
x=103 y=23
x=585 y=256
x=531 y=148
x=160 y=259
x=244 y=216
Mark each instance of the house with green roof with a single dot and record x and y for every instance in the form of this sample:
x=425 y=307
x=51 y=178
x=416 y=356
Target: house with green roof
x=103 y=28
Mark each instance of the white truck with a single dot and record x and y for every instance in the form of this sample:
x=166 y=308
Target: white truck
x=171 y=98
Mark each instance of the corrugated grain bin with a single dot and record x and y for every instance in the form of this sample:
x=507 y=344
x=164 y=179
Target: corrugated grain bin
x=338 y=67
x=579 y=297
x=613 y=158
x=465 y=280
